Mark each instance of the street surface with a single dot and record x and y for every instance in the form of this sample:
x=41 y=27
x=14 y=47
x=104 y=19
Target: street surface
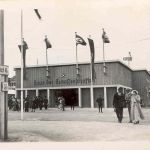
x=80 y=125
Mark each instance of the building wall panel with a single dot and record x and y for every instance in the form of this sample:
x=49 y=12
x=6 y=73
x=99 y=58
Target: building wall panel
x=97 y=92
x=116 y=73
x=141 y=83
x=110 y=95
x=86 y=100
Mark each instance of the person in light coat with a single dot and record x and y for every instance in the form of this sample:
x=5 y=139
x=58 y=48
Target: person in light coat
x=128 y=102
x=136 y=111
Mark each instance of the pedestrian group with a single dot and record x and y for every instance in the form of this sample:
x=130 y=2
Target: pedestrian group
x=131 y=99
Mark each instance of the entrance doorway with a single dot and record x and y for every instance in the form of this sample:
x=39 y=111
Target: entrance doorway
x=67 y=94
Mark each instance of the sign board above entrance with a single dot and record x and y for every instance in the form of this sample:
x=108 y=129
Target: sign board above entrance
x=127 y=58
x=4 y=70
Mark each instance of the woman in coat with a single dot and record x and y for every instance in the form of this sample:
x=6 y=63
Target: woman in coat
x=136 y=111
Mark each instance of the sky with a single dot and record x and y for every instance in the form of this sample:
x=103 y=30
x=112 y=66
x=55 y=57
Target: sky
x=127 y=24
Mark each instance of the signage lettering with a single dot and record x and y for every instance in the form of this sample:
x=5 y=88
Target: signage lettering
x=62 y=82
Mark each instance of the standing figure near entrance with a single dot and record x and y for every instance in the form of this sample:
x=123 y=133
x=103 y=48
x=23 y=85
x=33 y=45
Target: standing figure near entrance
x=128 y=102
x=62 y=103
x=33 y=105
x=72 y=102
x=136 y=111
x=59 y=105
x=40 y=100
x=99 y=101
x=36 y=102
x=17 y=104
x=118 y=103
x=26 y=104
x=45 y=103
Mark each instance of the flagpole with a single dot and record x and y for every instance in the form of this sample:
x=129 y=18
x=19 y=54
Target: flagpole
x=77 y=66
x=21 y=64
x=91 y=88
x=129 y=60
x=104 y=65
x=46 y=61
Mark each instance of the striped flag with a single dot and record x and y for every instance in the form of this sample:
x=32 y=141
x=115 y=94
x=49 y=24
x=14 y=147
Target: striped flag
x=80 y=40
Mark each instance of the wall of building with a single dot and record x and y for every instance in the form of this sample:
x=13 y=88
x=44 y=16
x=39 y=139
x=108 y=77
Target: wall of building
x=116 y=73
x=64 y=76
x=141 y=83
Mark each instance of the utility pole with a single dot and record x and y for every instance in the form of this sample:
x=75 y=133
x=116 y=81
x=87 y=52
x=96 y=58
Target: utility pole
x=3 y=84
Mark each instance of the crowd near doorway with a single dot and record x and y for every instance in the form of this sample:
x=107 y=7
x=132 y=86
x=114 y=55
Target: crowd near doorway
x=68 y=94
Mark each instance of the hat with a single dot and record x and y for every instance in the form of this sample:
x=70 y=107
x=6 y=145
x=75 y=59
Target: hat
x=120 y=88
x=135 y=91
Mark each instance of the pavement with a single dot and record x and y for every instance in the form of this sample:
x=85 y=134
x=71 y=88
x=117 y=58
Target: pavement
x=80 y=125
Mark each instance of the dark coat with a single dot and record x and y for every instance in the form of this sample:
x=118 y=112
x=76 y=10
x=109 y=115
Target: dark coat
x=119 y=100
x=72 y=101
x=100 y=101
x=34 y=104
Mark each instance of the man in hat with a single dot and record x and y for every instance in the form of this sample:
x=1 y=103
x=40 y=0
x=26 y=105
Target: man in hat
x=118 y=103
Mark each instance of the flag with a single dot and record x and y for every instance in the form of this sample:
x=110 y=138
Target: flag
x=80 y=40
x=92 y=49
x=48 y=44
x=25 y=47
x=38 y=14
x=105 y=38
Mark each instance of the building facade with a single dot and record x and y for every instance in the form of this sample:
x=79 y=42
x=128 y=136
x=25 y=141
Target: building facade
x=62 y=80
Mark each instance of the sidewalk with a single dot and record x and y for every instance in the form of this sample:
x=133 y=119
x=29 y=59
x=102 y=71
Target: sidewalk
x=83 y=124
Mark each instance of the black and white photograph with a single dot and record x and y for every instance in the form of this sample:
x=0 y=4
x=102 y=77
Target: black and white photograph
x=75 y=71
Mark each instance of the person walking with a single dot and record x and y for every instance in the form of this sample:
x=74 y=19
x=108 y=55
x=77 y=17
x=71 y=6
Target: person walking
x=72 y=102
x=99 y=101
x=128 y=102
x=26 y=104
x=40 y=99
x=59 y=103
x=33 y=105
x=45 y=103
x=63 y=103
x=118 y=103
x=16 y=104
x=136 y=111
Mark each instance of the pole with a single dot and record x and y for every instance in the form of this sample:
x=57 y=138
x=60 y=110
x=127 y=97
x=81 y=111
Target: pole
x=21 y=65
x=91 y=88
x=77 y=66
x=46 y=61
x=3 y=78
x=92 y=96
x=46 y=64
x=104 y=65
x=130 y=59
